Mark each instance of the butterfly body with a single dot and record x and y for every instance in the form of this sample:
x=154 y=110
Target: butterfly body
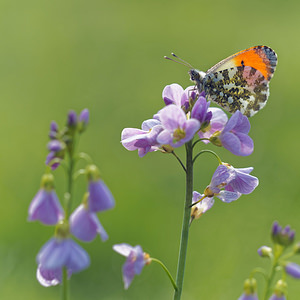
x=239 y=82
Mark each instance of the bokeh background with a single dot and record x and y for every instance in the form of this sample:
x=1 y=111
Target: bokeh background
x=108 y=56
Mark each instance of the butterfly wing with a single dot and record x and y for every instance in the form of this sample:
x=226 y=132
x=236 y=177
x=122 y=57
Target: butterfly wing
x=238 y=88
x=241 y=81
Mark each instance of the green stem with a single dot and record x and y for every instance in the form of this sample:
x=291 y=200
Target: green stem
x=68 y=207
x=166 y=270
x=277 y=253
x=65 y=286
x=179 y=160
x=208 y=151
x=186 y=220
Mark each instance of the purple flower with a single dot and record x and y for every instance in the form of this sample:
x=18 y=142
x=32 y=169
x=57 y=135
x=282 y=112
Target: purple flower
x=58 y=253
x=228 y=183
x=48 y=277
x=143 y=140
x=203 y=206
x=293 y=269
x=217 y=124
x=234 y=136
x=100 y=197
x=135 y=262
x=201 y=113
x=177 y=129
x=45 y=205
x=85 y=225
x=175 y=94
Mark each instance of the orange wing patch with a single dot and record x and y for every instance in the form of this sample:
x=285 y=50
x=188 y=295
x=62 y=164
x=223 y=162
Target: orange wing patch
x=261 y=58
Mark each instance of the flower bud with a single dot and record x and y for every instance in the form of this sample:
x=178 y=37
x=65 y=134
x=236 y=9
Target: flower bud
x=264 y=251
x=279 y=291
x=249 y=290
x=72 y=119
x=92 y=172
x=83 y=120
x=293 y=269
x=214 y=139
x=297 y=248
x=282 y=236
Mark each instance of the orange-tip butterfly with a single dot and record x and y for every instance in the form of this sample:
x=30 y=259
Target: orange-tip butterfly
x=238 y=82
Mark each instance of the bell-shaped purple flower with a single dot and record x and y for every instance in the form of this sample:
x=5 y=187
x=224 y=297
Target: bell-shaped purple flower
x=217 y=124
x=201 y=207
x=58 y=253
x=177 y=129
x=45 y=205
x=234 y=136
x=143 y=140
x=85 y=225
x=135 y=262
x=100 y=197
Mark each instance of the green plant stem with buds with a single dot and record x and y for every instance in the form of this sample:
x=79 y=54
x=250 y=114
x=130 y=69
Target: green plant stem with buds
x=186 y=220
x=277 y=253
x=68 y=207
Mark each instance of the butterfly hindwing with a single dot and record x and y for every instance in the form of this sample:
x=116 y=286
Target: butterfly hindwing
x=241 y=88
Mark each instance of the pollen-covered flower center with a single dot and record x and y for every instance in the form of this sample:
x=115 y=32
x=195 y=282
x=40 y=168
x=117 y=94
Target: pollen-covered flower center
x=178 y=134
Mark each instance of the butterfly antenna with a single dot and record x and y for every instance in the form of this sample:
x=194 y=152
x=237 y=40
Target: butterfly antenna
x=181 y=61
x=185 y=62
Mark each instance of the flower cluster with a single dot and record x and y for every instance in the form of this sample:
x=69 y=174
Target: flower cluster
x=227 y=184
x=282 y=239
x=185 y=115
x=61 y=251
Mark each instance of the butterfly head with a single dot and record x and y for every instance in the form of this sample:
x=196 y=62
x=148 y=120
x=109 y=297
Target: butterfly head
x=197 y=77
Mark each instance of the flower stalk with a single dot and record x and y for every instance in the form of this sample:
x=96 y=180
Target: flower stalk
x=186 y=220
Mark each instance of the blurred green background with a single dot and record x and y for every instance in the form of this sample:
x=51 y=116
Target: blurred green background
x=108 y=56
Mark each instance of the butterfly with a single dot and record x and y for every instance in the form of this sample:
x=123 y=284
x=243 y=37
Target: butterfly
x=238 y=82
